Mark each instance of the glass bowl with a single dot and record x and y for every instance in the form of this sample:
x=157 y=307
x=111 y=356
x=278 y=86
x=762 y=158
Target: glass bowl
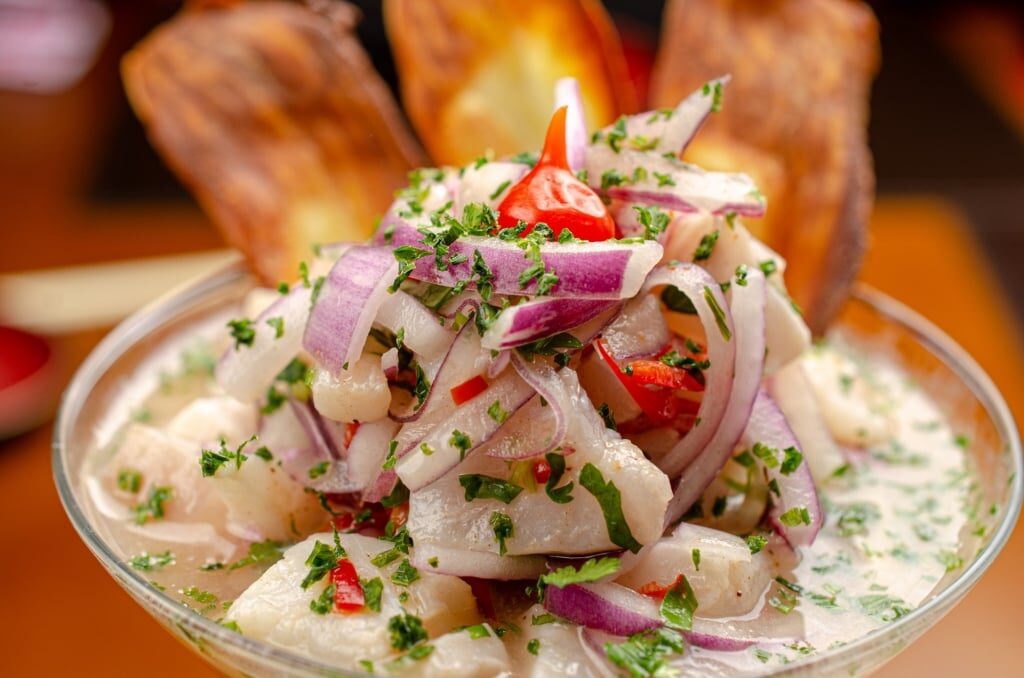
x=102 y=392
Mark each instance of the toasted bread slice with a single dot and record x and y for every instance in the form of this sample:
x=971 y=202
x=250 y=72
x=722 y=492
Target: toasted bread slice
x=479 y=76
x=273 y=116
x=794 y=118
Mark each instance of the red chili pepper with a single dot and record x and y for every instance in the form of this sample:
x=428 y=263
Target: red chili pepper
x=468 y=389
x=552 y=194
x=399 y=514
x=656 y=590
x=344 y=522
x=541 y=471
x=657 y=373
x=350 y=432
x=348 y=592
x=660 y=403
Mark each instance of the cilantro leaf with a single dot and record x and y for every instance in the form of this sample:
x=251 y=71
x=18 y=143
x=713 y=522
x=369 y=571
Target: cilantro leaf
x=479 y=486
x=610 y=500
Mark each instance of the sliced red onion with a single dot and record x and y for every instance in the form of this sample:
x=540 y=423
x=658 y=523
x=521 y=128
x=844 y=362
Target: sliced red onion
x=423 y=332
x=389 y=363
x=592 y=270
x=499 y=364
x=639 y=331
x=567 y=93
x=673 y=131
x=532 y=431
x=325 y=445
x=707 y=298
x=688 y=188
x=539 y=318
x=367 y=450
x=246 y=372
x=604 y=606
x=546 y=382
x=430 y=557
x=464 y=360
x=444 y=373
x=711 y=641
x=748 y=306
x=436 y=454
x=349 y=299
x=797 y=492
x=487 y=184
x=324 y=441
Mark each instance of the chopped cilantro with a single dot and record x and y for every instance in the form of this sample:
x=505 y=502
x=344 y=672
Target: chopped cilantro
x=322 y=559
x=487 y=487
x=147 y=562
x=129 y=480
x=756 y=542
x=497 y=412
x=242 y=332
x=405 y=574
x=706 y=246
x=677 y=301
x=406 y=630
x=559 y=495
x=533 y=647
x=795 y=516
x=324 y=603
x=503 y=529
x=153 y=507
x=607 y=416
x=678 y=606
x=461 y=442
x=210 y=461
x=610 y=500
x=792 y=461
x=267 y=551
x=591 y=570
x=644 y=654
x=277 y=322
x=719 y=314
x=372 y=590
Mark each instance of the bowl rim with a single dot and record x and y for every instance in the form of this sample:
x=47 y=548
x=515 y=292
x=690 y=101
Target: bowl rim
x=153 y=316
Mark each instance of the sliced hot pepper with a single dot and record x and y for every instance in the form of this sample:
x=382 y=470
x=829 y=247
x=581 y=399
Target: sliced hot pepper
x=661 y=405
x=348 y=592
x=551 y=193
x=657 y=373
x=541 y=471
x=468 y=389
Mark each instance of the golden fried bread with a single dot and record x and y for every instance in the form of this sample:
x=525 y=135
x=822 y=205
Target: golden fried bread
x=794 y=118
x=273 y=116
x=481 y=75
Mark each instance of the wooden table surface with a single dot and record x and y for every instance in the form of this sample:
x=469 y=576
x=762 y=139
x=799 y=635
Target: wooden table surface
x=63 y=614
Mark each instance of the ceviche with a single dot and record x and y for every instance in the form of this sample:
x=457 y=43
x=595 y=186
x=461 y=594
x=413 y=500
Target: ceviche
x=558 y=417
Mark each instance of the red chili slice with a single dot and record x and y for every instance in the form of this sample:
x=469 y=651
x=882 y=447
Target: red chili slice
x=541 y=471
x=468 y=389
x=348 y=592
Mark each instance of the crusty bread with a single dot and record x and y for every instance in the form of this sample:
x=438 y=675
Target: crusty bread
x=794 y=117
x=479 y=76
x=272 y=115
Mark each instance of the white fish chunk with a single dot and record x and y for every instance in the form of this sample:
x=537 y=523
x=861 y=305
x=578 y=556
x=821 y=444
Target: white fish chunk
x=730 y=581
x=560 y=650
x=209 y=420
x=440 y=514
x=275 y=608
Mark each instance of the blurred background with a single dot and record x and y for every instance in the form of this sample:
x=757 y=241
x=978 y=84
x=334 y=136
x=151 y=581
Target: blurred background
x=92 y=226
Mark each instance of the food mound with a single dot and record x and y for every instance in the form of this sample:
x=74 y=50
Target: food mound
x=558 y=417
